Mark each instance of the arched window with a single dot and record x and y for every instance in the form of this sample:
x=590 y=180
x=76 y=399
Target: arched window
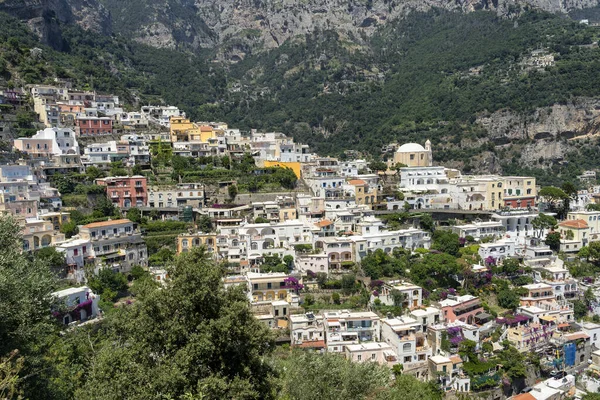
x=254 y=246
x=406 y=348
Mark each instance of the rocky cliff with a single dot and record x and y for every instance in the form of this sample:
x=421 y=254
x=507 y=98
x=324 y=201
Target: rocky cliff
x=543 y=137
x=248 y=25
x=45 y=16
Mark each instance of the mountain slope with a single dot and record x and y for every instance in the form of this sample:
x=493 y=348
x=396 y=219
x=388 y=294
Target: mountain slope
x=473 y=83
x=236 y=28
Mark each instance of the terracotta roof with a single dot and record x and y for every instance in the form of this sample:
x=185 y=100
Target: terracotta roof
x=577 y=335
x=357 y=182
x=576 y=224
x=456 y=359
x=205 y=128
x=324 y=223
x=524 y=396
x=314 y=343
x=106 y=223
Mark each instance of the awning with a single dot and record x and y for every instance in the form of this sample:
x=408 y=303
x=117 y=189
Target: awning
x=563 y=325
x=482 y=316
x=549 y=318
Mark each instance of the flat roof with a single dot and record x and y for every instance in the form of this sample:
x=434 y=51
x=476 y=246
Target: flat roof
x=107 y=223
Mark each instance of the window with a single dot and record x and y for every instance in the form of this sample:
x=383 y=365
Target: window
x=269 y=285
x=359 y=357
x=373 y=356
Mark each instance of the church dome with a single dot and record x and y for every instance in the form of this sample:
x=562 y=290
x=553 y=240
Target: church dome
x=410 y=148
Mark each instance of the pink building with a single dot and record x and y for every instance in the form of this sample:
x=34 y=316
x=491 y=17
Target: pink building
x=95 y=125
x=126 y=191
x=462 y=308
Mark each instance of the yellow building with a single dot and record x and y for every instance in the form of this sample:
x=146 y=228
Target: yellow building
x=414 y=155
x=294 y=166
x=268 y=286
x=287 y=214
x=183 y=130
x=362 y=193
x=56 y=218
x=185 y=242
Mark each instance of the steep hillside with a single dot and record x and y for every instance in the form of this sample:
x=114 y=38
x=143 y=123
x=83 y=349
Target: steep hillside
x=492 y=93
x=45 y=16
x=237 y=28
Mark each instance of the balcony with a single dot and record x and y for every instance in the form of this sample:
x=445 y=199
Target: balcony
x=359 y=328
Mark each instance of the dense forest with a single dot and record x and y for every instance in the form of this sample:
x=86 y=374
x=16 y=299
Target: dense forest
x=429 y=75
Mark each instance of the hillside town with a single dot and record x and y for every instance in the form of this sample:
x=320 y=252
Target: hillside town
x=388 y=258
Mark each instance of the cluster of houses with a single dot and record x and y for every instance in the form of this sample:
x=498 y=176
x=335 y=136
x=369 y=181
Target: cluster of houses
x=328 y=228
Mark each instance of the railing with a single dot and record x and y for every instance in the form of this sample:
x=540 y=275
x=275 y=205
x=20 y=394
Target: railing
x=359 y=328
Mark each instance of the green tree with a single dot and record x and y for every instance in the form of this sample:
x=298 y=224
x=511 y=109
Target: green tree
x=426 y=222
x=408 y=387
x=134 y=214
x=398 y=298
x=54 y=259
x=510 y=266
x=594 y=250
x=118 y=169
x=104 y=208
x=584 y=252
x=377 y=166
x=27 y=324
x=232 y=190
x=553 y=240
x=348 y=283
x=288 y=260
x=542 y=223
x=155 y=347
x=580 y=310
x=436 y=271
x=92 y=173
x=447 y=242
x=309 y=300
x=313 y=376
x=335 y=297
x=508 y=298
x=69 y=228
x=204 y=223
x=226 y=162
x=108 y=279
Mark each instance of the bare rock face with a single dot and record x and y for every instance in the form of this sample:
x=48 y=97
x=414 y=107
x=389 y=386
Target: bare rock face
x=556 y=122
x=547 y=133
x=45 y=16
x=264 y=24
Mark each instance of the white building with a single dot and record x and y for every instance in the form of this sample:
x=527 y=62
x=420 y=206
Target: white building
x=81 y=303
x=479 y=230
x=381 y=353
x=412 y=294
x=344 y=327
x=312 y=262
x=307 y=330
x=499 y=250
x=406 y=337
x=115 y=243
